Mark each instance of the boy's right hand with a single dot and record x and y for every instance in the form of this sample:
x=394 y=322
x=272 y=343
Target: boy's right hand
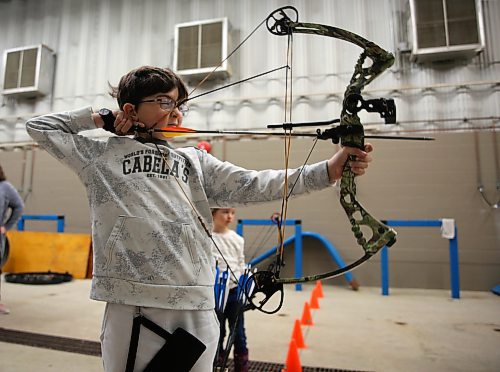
x=122 y=124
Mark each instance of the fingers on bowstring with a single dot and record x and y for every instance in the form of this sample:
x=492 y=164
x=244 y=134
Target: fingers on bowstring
x=124 y=124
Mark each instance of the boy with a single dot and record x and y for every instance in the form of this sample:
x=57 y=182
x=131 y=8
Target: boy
x=150 y=212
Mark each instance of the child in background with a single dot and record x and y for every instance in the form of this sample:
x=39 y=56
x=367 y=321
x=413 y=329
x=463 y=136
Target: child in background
x=231 y=245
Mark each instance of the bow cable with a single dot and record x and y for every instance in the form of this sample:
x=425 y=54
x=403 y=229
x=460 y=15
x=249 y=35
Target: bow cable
x=228 y=56
x=198 y=215
x=287 y=149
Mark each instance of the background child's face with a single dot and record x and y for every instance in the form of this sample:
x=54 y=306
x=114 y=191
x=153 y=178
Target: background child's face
x=151 y=113
x=223 y=217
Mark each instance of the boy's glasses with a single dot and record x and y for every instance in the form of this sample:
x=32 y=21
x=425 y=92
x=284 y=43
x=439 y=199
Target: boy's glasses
x=168 y=104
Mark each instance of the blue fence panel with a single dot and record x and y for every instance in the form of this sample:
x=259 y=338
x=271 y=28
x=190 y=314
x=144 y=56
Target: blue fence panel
x=41 y=217
x=453 y=248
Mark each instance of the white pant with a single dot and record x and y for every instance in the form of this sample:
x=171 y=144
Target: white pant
x=117 y=329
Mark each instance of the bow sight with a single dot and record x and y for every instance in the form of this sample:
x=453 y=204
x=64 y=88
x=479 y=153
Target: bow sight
x=385 y=107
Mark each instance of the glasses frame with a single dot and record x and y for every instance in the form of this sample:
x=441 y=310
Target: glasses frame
x=168 y=104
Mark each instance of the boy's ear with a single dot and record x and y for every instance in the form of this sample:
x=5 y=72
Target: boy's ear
x=129 y=110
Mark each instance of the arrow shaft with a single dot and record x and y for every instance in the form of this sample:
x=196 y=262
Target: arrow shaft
x=242 y=132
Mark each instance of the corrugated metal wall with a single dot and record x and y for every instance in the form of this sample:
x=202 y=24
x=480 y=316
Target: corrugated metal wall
x=97 y=41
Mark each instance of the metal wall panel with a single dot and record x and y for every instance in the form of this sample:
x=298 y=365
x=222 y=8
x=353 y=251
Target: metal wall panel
x=98 y=41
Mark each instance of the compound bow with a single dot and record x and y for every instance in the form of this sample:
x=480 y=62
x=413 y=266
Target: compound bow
x=351 y=133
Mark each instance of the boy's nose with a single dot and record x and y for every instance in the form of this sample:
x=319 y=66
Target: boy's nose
x=177 y=112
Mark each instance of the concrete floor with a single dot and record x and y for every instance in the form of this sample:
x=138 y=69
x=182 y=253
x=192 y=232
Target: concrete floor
x=410 y=330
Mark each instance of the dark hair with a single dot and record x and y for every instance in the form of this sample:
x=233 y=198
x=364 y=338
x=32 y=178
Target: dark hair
x=146 y=81
x=2 y=175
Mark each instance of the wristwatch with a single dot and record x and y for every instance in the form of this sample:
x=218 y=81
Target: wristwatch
x=108 y=118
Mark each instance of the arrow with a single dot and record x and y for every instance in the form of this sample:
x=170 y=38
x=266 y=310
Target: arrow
x=170 y=132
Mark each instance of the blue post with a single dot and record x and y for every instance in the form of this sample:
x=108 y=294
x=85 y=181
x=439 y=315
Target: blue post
x=454 y=269
x=298 y=253
x=60 y=224
x=384 y=265
x=20 y=224
x=239 y=228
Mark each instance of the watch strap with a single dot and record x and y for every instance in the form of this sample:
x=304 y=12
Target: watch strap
x=109 y=121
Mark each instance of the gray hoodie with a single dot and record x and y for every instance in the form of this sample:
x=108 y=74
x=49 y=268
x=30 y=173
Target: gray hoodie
x=149 y=247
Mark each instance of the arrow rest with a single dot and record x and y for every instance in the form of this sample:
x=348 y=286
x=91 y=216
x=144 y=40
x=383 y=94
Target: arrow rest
x=336 y=133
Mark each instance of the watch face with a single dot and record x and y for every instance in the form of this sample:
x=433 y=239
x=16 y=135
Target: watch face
x=104 y=112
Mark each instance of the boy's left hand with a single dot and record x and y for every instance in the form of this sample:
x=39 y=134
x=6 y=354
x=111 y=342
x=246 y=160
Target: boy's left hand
x=358 y=166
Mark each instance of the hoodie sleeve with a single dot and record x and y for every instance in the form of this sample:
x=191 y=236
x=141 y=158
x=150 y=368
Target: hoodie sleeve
x=59 y=135
x=229 y=185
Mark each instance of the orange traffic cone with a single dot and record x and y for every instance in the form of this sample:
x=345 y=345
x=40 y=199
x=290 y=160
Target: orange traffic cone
x=297 y=335
x=314 y=299
x=292 y=360
x=306 y=315
x=319 y=289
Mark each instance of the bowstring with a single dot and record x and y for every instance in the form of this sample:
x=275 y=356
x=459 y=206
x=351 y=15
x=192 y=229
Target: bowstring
x=287 y=146
x=287 y=150
x=198 y=215
x=241 y=286
x=287 y=191
x=200 y=219
x=259 y=241
x=228 y=56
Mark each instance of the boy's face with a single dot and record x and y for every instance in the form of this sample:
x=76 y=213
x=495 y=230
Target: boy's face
x=223 y=217
x=156 y=111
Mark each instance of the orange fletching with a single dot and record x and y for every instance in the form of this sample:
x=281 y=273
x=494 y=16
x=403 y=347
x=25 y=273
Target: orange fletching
x=170 y=132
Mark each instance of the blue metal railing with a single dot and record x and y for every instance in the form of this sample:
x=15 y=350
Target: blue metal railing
x=41 y=217
x=453 y=248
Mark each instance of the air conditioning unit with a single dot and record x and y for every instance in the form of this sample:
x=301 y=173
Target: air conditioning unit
x=28 y=71
x=446 y=29
x=200 y=47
